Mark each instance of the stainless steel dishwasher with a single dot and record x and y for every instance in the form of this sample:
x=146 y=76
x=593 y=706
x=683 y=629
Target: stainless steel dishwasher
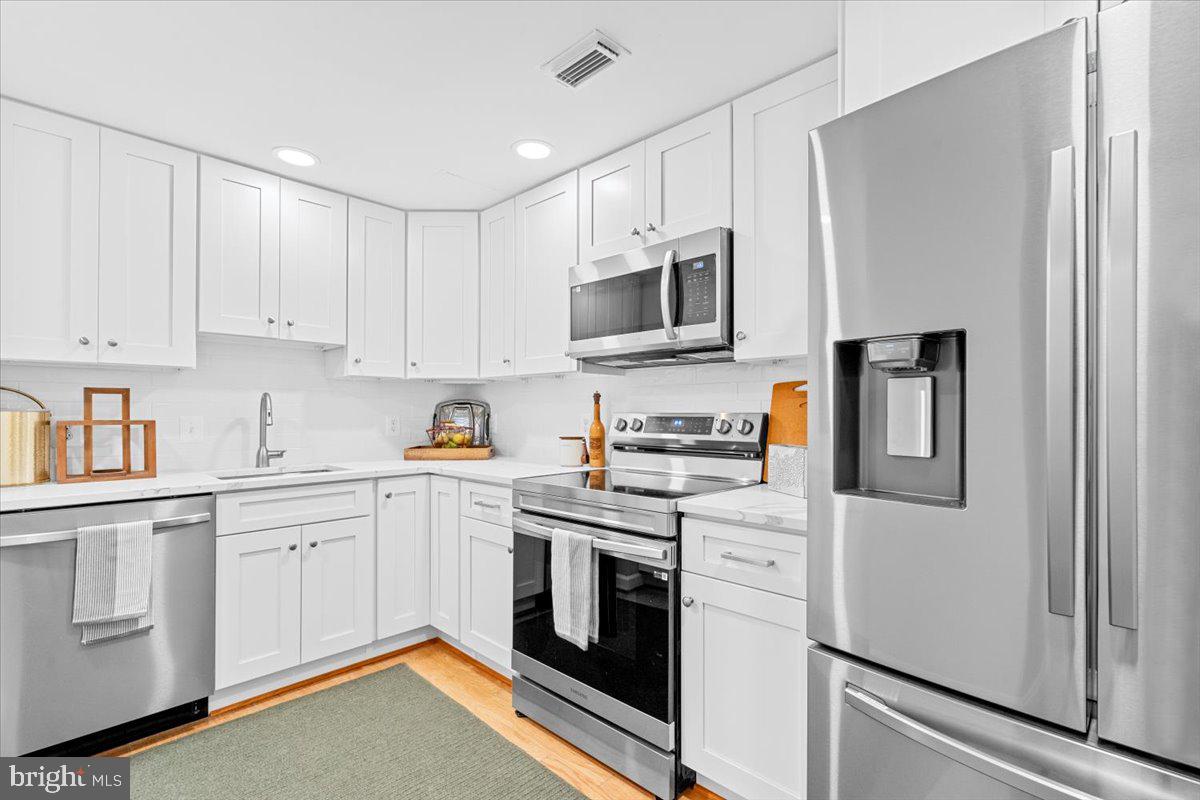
x=55 y=691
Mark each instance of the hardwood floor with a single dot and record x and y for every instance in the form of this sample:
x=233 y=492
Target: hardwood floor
x=481 y=691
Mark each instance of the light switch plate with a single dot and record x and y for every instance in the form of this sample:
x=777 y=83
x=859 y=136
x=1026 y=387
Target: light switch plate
x=910 y=417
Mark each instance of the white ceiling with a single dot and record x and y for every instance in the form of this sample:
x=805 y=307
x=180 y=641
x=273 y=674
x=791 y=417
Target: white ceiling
x=414 y=104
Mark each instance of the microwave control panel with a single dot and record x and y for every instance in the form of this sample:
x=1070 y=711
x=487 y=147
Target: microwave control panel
x=697 y=279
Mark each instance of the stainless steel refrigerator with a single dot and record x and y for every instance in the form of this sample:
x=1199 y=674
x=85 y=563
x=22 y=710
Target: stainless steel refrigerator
x=1004 y=479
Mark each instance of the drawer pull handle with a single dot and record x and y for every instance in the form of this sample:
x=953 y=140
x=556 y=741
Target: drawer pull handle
x=758 y=562
x=493 y=506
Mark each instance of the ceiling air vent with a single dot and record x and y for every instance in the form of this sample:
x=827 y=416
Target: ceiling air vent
x=584 y=59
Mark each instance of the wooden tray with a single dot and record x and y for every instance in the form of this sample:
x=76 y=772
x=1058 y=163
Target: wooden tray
x=430 y=453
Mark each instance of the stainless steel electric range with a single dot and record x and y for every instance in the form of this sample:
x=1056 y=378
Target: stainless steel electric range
x=619 y=699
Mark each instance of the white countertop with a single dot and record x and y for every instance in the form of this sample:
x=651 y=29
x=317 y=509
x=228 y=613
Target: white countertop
x=753 y=505
x=501 y=471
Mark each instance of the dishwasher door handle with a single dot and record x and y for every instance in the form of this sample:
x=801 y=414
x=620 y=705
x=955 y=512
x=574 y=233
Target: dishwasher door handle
x=66 y=536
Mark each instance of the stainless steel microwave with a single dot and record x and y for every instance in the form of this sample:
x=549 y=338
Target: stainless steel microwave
x=670 y=303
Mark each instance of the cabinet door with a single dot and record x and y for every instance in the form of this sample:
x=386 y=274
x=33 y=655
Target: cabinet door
x=743 y=687
x=147 y=252
x=689 y=177
x=337 y=596
x=443 y=554
x=770 y=210
x=312 y=264
x=401 y=555
x=48 y=250
x=547 y=248
x=258 y=604
x=487 y=589
x=443 y=294
x=497 y=290
x=239 y=250
x=612 y=203
x=891 y=45
x=375 y=286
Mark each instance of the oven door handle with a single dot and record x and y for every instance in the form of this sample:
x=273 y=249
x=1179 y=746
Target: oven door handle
x=606 y=545
x=664 y=295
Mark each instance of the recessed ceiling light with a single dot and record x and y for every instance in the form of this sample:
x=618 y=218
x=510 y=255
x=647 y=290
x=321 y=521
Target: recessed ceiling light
x=532 y=148
x=295 y=156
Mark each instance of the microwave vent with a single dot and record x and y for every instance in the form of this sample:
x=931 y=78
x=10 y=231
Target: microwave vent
x=582 y=60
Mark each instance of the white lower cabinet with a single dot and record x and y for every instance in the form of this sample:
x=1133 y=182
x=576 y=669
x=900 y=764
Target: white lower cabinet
x=443 y=554
x=401 y=555
x=486 y=581
x=743 y=685
x=258 y=604
x=337 y=598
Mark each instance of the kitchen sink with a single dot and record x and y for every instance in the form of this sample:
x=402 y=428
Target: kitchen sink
x=273 y=472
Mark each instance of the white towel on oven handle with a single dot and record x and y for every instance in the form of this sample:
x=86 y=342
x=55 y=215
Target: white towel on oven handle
x=574 y=587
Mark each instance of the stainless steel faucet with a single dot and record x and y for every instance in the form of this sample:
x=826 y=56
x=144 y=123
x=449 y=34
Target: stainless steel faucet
x=266 y=416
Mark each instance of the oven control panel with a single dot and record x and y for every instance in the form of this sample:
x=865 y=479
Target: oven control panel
x=672 y=429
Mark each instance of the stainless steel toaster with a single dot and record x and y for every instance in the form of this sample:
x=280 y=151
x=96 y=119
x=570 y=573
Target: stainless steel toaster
x=473 y=414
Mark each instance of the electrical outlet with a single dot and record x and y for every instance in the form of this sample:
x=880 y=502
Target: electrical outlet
x=191 y=429
x=391 y=426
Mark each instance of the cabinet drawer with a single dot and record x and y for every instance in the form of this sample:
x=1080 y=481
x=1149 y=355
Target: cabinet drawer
x=487 y=503
x=238 y=512
x=753 y=557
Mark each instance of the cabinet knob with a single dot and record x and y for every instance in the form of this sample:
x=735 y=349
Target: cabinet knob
x=291 y=547
x=358 y=360
x=312 y=544
x=635 y=232
x=687 y=602
x=84 y=340
x=412 y=363
x=291 y=322
x=270 y=320
x=650 y=227
x=741 y=336
x=510 y=549
x=112 y=342
x=388 y=495
x=506 y=361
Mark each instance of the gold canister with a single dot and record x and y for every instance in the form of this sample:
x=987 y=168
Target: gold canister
x=25 y=443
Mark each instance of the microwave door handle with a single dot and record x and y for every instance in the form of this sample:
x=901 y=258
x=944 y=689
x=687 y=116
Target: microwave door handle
x=664 y=295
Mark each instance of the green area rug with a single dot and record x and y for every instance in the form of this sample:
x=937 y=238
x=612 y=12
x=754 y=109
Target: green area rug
x=390 y=735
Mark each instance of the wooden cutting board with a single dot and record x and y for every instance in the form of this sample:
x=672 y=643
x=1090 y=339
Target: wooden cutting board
x=788 y=423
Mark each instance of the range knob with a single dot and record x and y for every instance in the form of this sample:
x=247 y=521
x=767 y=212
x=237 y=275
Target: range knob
x=620 y=424
x=745 y=427
x=636 y=425
x=724 y=426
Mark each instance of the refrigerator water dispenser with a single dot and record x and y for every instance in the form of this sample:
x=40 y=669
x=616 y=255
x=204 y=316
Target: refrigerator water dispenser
x=898 y=418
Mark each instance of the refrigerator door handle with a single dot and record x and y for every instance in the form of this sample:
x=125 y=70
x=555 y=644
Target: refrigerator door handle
x=1121 y=382
x=1060 y=374
x=974 y=758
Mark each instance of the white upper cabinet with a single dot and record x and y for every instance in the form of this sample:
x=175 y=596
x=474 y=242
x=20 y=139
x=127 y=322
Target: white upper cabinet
x=50 y=217
x=547 y=248
x=612 y=203
x=375 y=293
x=147 y=296
x=239 y=250
x=689 y=177
x=890 y=45
x=443 y=294
x=497 y=290
x=312 y=264
x=770 y=210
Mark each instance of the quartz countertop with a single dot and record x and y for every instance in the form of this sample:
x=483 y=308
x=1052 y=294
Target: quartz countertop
x=500 y=471
x=752 y=505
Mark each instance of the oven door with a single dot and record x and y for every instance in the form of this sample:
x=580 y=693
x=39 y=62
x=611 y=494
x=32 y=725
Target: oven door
x=628 y=677
x=671 y=296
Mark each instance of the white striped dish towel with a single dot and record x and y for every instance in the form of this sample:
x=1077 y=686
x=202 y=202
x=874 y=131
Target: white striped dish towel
x=574 y=587
x=112 y=579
